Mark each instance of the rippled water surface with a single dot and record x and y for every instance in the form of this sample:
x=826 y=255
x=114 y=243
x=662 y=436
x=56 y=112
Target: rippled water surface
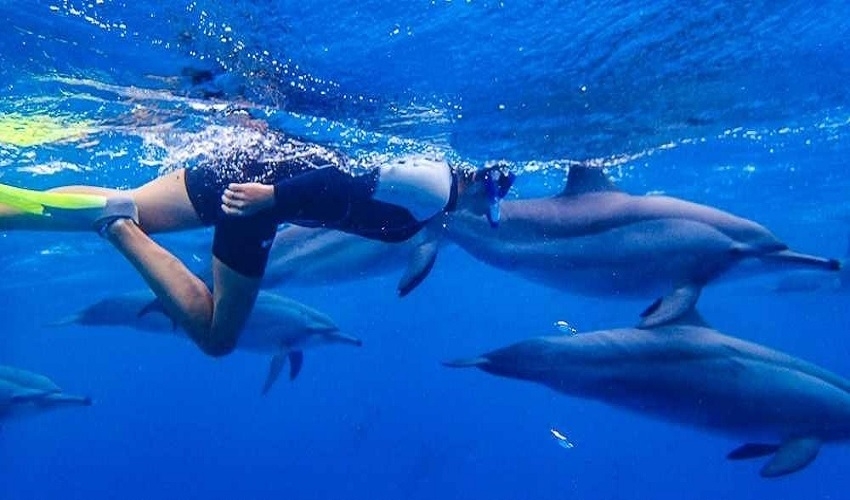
x=741 y=105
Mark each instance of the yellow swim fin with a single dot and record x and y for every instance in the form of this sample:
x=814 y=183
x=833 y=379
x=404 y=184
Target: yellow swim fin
x=35 y=130
x=35 y=202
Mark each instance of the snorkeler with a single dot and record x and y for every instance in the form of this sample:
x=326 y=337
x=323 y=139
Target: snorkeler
x=245 y=195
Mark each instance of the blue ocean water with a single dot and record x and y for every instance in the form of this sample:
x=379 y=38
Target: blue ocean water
x=741 y=105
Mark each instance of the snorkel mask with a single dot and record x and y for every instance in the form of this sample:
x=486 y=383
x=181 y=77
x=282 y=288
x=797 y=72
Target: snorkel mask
x=497 y=182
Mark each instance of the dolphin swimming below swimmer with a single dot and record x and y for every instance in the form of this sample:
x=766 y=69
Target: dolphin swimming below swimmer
x=278 y=326
x=688 y=373
x=594 y=239
x=308 y=256
x=318 y=257
x=24 y=393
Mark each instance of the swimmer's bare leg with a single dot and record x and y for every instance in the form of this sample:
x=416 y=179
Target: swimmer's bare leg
x=163 y=205
x=213 y=322
x=234 y=295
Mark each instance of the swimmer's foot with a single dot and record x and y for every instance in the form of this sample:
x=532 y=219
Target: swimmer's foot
x=117 y=208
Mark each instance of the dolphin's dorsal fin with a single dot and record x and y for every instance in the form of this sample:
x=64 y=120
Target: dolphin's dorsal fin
x=691 y=318
x=676 y=308
x=583 y=179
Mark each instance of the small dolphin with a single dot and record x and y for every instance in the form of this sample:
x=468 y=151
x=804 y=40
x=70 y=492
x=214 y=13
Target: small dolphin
x=24 y=393
x=596 y=240
x=814 y=281
x=686 y=372
x=24 y=378
x=278 y=326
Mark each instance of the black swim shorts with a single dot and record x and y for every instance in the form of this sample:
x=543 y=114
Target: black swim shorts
x=242 y=243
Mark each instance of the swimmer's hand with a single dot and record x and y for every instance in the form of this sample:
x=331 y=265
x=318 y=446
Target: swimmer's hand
x=247 y=199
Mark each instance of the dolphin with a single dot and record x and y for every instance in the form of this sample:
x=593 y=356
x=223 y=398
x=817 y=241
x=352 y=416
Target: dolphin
x=278 y=326
x=814 y=281
x=24 y=378
x=318 y=256
x=686 y=372
x=24 y=393
x=594 y=239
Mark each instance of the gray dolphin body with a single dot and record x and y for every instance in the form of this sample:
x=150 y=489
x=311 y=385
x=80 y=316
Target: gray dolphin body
x=688 y=373
x=24 y=393
x=594 y=239
x=306 y=256
x=318 y=256
x=278 y=326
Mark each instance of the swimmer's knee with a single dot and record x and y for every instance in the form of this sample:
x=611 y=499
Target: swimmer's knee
x=219 y=348
x=219 y=342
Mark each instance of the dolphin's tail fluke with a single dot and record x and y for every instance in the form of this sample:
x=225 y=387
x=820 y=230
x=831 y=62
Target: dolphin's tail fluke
x=801 y=259
x=467 y=363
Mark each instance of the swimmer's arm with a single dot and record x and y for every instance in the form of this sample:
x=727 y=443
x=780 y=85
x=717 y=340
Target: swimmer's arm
x=322 y=195
x=285 y=198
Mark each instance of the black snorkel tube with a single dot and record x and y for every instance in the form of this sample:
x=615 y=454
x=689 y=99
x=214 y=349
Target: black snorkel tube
x=497 y=182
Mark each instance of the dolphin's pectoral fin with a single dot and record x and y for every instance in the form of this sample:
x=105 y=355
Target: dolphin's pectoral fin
x=421 y=262
x=275 y=367
x=155 y=306
x=672 y=307
x=296 y=361
x=582 y=179
x=752 y=450
x=792 y=456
